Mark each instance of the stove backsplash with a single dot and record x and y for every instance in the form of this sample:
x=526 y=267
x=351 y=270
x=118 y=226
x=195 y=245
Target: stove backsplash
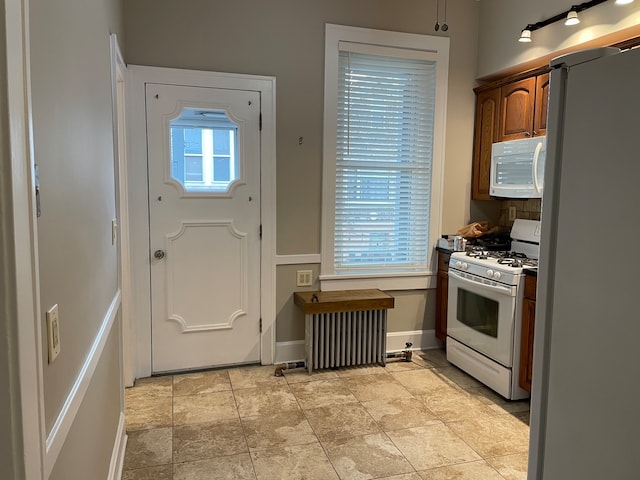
x=528 y=209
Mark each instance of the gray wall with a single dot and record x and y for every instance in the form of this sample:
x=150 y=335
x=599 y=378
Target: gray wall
x=285 y=39
x=502 y=20
x=73 y=146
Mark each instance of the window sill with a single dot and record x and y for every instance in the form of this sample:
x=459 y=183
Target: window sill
x=386 y=283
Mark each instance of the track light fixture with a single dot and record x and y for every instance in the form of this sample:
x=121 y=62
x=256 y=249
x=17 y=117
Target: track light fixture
x=525 y=35
x=570 y=17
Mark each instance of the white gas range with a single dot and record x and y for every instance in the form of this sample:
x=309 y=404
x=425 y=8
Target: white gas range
x=484 y=316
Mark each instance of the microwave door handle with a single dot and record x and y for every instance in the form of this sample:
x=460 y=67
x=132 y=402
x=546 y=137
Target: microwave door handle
x=536 y=157
x=491 y=288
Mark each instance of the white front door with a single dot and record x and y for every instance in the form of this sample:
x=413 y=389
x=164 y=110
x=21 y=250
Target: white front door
x=204 y=208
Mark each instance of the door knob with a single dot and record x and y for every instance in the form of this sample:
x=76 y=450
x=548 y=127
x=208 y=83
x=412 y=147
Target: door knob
x=159 y=254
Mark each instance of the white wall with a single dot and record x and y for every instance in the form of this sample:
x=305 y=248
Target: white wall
x=502 y=20
x=73 y=146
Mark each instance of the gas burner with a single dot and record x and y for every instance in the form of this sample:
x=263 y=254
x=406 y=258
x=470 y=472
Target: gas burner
x=477 y=252
x=512 y=262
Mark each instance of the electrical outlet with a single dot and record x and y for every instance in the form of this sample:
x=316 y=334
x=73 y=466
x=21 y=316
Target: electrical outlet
x=512 y=214
x=53 y=332
x=304 y=278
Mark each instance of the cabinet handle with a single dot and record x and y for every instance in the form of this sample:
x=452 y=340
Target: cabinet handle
x=535 y=133
x=527 y=134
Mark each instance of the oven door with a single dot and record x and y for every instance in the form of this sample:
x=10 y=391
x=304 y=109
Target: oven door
x=481 y=315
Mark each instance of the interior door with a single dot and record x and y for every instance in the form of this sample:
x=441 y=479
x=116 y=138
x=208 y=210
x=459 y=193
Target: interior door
x=204 y=206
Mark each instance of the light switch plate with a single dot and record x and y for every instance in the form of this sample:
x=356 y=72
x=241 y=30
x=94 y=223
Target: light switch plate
x=304 y=278
x=53 y=332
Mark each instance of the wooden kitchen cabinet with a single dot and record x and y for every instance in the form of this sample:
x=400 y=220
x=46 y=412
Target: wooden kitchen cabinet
x=517 y=104
x=542 y=105
x=442 y=296
x=506 y=110
x=528 y=328
x=486 y=133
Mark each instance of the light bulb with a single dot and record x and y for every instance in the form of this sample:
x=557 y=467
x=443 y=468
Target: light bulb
x=572 y=18
x=525 y=36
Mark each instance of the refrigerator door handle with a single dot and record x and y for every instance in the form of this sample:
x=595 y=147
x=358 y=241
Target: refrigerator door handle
x=536 y=157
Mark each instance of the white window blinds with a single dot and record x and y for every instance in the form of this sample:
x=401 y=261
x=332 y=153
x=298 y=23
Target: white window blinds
x=384 y=156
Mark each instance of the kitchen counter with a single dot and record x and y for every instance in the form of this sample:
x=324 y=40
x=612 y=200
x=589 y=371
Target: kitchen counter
x=445 y=250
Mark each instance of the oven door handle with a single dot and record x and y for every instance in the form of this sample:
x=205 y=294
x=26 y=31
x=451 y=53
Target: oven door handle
x=510 y=291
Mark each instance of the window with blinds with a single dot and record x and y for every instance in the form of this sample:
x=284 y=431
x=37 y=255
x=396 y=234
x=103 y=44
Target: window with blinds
x=385 y=97
x=384 y=154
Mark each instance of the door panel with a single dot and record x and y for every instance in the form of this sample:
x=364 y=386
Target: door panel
x=204 y=208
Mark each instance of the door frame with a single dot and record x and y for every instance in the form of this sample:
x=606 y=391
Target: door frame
x=138 y=77
x=20 y=298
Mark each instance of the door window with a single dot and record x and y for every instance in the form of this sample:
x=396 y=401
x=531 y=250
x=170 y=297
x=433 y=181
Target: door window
x=204 y=150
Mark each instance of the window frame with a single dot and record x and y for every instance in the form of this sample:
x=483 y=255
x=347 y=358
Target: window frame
x=438 y=46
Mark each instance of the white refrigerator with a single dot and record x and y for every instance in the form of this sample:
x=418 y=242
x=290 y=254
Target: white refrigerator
x=585 y=406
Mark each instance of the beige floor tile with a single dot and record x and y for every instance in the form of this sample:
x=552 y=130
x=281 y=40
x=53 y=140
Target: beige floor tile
x=265 y=400
x=511 y=467
x=456 y=404
x=341 y=421
x=281 y=429
x=480 y=470
x=205 y=408
x=493 y=436
x=432 y=446
x=250 y=377
x=403 y=366
x=148 y=448
x=423 y=382
x=234 y=467
x=302 y=375
x=144 y=413
x=146 y=388
x=497 y=403
x=400 y=413
x=307 y=462
x=206 y=440
x=203 y=382
x=322 y=393
x=436 y=357
x=161 y=472
x=365 y=457
x=462 y=379
x=379 y=386
x=360 y=370
x=406 y=476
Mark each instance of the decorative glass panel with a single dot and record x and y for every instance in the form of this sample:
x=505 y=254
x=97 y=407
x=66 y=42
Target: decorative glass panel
x=204 y=150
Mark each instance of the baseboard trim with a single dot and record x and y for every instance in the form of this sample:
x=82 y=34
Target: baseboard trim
x=119 y=447
x=290 y=351
x=421 y=340
x=60 y=430
x=294 y=351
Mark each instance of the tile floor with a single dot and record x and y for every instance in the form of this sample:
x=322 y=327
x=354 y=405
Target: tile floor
x=423 y=419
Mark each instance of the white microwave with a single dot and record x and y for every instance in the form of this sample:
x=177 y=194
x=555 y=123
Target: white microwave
x=517 y=168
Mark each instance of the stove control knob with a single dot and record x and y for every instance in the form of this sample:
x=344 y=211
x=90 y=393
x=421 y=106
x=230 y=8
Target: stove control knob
x=497 y=276
x=458 y=264
x=465 y=266
x=490 y=273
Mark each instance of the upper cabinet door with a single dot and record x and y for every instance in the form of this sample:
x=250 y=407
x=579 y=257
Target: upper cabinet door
x=517 y=106
x=542 y=104
x=486 y=133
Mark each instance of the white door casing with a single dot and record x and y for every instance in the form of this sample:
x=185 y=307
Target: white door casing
x=205 y=287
